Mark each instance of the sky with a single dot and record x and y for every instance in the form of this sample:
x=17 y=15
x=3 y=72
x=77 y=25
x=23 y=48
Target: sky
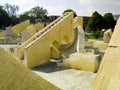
x=56 y=7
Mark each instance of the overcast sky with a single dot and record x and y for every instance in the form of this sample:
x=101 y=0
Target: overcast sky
x=56 y=7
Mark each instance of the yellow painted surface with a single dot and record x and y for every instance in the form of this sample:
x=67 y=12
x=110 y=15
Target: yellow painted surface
x=25 y=35
x=39 y=26
x=107 y=35
x=2 y=34
x=115 y=39
x=34 y=37
x=20 y=27
x=82 y=61
x=66 y=27
x=15 y=76
x=108 y=74
x=15 y=53
x=89 y=43
x=92 y=50
x=55 y=53
x=11 y=51
x=38 y=52
x=78 y=21
x=102 y=46
x=21 y=47
x=31 y=30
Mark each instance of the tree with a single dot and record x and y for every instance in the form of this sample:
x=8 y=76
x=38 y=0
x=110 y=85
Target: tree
x=95 y=24
x=11 y=9
x=109 y=21
x=38 y=11
x=70 y=10
x=35 y=12
x=4 y=18
x=25 y=15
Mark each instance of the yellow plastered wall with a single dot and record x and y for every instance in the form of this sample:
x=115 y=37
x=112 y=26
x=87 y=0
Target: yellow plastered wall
x=20 y=27
x=87 y=62
x=108 y=76
x=2 y=34
x=67 y=30
x=38 y=52
x=25 y=35
x=65 y=40
x=21 y=47
x=15 y=53
x=78 y=21
x=55 y=53
x=102 y=46
x=31 y=30
x=39 y=26
x=115 y=39
x=90 y=43
x=15 y=76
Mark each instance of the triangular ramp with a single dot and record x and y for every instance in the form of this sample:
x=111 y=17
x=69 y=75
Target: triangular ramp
x=15 y=76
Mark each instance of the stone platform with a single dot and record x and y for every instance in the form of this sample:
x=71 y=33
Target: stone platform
x=66 y=79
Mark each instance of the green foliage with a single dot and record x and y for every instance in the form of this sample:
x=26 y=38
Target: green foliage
x=70 y=10
x=38 y=11
x=34 y=12
x=25 y=15
x=109 y=21
x=95 y=22
x=4 y=18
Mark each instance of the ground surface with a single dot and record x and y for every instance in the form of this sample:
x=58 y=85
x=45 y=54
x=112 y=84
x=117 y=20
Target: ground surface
x=66 y=79
x=8 y=46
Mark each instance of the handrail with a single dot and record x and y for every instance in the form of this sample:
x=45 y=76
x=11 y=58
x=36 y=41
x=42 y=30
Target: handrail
x=38 y=34
x=48 y=30
x=42 y=31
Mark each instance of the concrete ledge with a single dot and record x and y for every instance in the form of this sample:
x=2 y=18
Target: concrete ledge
x=102 y=46
x=87 y=62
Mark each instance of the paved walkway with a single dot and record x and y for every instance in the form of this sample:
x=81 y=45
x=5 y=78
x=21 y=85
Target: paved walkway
x=66 y=79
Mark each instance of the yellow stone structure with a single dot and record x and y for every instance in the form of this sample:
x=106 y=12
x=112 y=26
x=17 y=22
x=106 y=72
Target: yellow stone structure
x=115 y=41
x=31 y=30
x=38 y=26
x=107 y=36
x=108 y=76
x=82 y=61
x=78 y=21
x=44 y=44
x=90 y=43
x=17 y=29
x=60 y=31
x=2 y=35
x=101 y=45
x=15 y=76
